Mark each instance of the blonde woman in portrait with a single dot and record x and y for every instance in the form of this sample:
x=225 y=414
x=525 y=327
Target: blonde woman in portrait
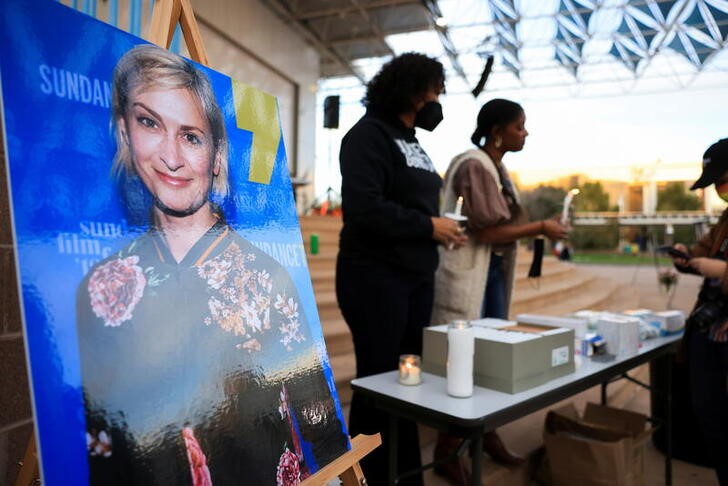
x=197 y=361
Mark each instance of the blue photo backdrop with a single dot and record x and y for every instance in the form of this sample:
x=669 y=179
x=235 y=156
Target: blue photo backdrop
x=56 y=66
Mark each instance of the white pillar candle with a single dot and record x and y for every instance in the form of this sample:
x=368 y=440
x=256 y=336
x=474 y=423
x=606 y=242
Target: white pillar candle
x=459 y=206
x=460 y=353
x=567 y=204
x=410 y=372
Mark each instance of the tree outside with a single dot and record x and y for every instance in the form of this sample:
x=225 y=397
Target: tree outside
x=544 y=202
x=675 y=197
x=592 y=197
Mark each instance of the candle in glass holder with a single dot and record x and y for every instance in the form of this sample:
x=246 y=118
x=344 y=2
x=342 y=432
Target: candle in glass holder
x=410 y=372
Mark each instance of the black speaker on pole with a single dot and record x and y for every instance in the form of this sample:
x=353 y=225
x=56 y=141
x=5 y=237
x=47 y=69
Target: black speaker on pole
x=331 y=111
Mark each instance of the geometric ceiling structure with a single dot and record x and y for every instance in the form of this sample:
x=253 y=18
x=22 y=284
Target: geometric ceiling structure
x=596 y=47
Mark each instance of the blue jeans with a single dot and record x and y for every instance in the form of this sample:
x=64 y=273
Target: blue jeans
x=494 y=299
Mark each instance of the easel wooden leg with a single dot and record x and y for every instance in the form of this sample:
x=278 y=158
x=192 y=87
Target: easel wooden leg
x=165 y=16
x=29 y=474
x=347 y=466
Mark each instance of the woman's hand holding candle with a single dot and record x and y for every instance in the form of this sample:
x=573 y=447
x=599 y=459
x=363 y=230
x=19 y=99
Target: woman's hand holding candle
x=448 y=232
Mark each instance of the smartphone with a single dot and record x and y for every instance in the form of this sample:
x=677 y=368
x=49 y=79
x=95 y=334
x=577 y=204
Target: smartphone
x=674 y=252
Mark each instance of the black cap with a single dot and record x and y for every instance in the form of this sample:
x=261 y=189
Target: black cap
x=715 y=164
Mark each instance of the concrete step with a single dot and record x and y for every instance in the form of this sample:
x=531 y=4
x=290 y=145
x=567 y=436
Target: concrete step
x=523 y=262
x=622 y=298
x=338 y=337
x=555 y=292
x=326 y=242
x=551 y=276
x=588 y=295
x=321 y=225
x=327 y=305
x=326 y=258
x=323 y=277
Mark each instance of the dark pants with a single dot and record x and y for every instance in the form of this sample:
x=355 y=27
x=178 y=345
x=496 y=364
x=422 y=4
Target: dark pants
x=386 y=310
x=494 y=300
x=708 y=368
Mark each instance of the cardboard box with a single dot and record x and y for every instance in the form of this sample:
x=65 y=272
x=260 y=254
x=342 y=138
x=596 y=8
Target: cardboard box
x=666 y=322
x=622 y=334
x=605 y=447
x=580 y=326
x=670 y=321
x=509 y=357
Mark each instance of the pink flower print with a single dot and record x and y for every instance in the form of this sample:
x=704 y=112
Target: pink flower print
x=197 y=460
x=265 y=281
x=251 y=318
x=289 y=308
x=250 y=345
x=98 y=444
x=115 y=288
x=289 y=469
x=291 y=329
x=283 y=403
x=215 y=272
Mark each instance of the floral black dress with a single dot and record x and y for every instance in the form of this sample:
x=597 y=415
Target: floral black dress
x=201 y=372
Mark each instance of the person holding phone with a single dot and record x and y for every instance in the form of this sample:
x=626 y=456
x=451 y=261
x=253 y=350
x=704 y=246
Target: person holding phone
x=706 y=334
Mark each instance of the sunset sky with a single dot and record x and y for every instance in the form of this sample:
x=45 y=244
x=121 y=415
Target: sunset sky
x=663 y=134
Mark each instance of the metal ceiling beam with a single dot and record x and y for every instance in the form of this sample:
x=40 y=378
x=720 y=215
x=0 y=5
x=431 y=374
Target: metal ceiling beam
x=280 y=8
x=370 y=37
x=372 y=23
x=433 y=10
x=338 y=11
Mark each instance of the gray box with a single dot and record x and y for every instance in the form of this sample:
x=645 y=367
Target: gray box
x=510 y=359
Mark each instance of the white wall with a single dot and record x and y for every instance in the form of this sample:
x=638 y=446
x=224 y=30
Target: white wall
x=269 y=55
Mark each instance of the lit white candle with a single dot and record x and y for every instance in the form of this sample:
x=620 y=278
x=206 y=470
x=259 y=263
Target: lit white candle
x=410 y=372
x=457 y=216
x=567 y=204
x=460 y=354
x=459 y=206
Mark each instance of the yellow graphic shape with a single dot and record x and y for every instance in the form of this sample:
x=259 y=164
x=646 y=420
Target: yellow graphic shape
x=257 y=112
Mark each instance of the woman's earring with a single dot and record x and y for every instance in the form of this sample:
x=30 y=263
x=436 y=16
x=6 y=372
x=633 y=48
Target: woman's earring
x=498 y=141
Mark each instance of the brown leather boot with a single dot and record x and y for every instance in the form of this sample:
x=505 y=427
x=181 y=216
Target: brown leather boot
x=453 y=470
x=493 y=445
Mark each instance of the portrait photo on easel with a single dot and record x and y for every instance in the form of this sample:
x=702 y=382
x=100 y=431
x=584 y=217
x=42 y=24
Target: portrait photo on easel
x=171 y=327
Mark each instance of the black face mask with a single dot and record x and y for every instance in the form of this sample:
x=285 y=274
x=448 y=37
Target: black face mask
x=429 y=116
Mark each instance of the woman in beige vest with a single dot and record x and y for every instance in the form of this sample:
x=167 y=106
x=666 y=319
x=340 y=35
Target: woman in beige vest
x=477 y=280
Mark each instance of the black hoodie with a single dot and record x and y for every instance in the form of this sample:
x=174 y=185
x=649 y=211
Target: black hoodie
x=390 y=190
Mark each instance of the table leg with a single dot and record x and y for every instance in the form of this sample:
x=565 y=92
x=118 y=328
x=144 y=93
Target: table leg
x=604 y=392
x=393 y=442
x=476 y=456
x=668 y=422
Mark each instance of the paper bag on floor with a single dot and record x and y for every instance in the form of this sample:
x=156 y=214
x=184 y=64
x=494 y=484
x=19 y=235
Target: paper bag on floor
x=602 y=448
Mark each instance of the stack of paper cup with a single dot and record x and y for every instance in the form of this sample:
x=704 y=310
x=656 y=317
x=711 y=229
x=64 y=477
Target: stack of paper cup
x=460 y=352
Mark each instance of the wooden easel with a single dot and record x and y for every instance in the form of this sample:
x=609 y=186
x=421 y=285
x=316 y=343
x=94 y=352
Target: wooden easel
x=29 y=474
x=165 y=16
